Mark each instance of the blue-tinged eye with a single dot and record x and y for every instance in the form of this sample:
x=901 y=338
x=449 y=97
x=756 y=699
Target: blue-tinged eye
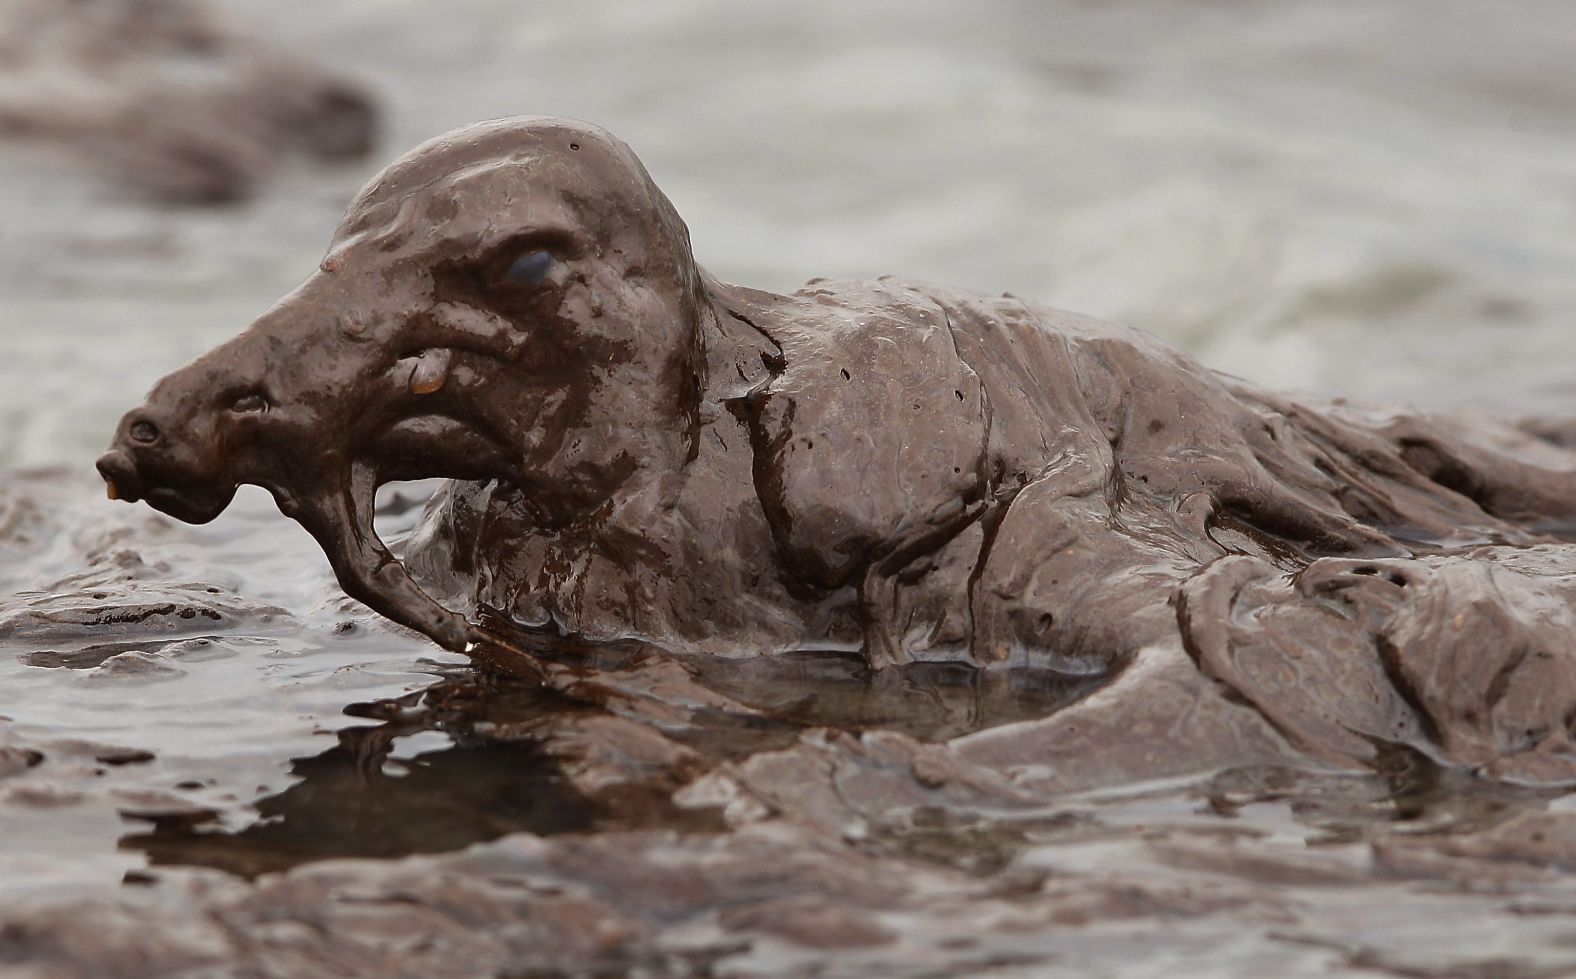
x=530 y=269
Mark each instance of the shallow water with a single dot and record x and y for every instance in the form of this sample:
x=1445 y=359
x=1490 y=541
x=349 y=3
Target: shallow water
x=1372 y=199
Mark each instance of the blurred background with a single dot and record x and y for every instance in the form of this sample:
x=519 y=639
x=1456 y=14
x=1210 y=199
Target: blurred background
x=1374 y=198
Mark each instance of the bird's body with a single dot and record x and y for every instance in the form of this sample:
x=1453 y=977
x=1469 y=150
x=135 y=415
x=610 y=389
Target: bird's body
x=640 y=450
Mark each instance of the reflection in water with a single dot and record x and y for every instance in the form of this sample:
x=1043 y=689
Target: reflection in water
x=502 y=772
x=355 y=801
x=929 y=701
x=863 y=841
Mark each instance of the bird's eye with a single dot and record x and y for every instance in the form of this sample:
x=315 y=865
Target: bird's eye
x=249 y=403
x=530 y=269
